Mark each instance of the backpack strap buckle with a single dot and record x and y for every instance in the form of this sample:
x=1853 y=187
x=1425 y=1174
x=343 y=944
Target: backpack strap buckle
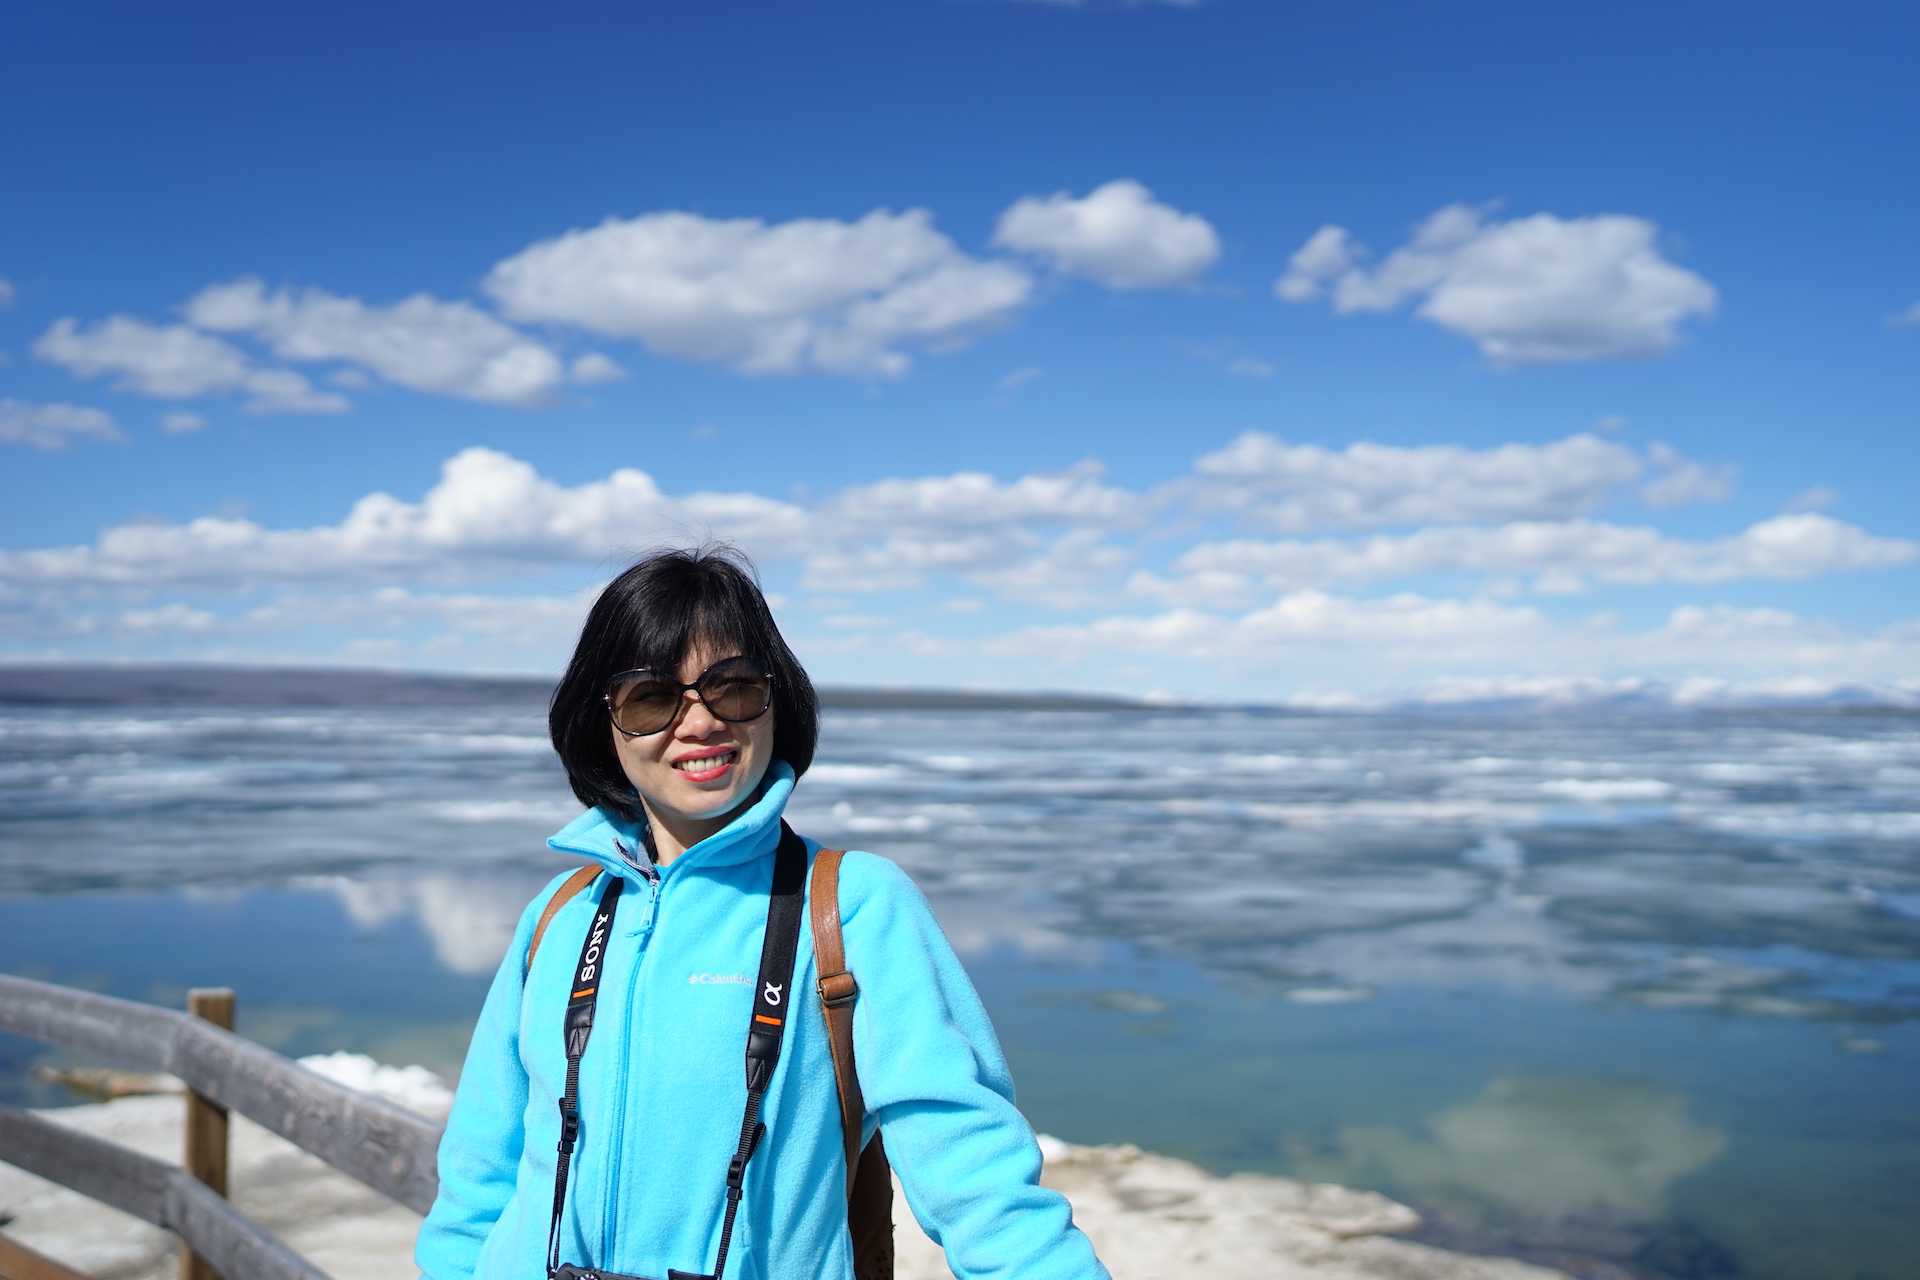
x=837 y=989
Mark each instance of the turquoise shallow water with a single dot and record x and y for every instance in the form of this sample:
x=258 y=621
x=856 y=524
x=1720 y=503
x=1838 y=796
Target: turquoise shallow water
x=1610 y=991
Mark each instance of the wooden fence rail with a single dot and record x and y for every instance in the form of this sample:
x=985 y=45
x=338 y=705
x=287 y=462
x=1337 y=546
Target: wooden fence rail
x=160 y=1193
x=386 y=1147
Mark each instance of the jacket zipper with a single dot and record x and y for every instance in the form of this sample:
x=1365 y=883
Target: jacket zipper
x=617 y=1121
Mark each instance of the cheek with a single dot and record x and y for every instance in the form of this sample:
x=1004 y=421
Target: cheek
x=761 y=736
x=633 y=759
x=620 y=756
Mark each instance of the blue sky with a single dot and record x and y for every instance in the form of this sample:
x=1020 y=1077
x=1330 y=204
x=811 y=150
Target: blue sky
x=1325 y=352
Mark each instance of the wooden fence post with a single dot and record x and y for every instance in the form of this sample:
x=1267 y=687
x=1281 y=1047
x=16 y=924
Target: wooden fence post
x=17 y=1262
x=206 y=1125
x=384 y=1146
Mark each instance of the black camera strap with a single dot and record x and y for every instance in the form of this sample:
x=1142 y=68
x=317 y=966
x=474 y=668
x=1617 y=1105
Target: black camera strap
x=765 y=1032
x=578 y=1026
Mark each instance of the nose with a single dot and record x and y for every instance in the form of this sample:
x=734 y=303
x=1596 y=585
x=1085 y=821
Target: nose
x=695 y=720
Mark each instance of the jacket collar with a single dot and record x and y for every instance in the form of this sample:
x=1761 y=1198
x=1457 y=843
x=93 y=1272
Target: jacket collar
x=600 y=835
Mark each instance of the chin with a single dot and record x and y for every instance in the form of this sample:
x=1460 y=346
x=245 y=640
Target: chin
x=702 y=804
x=708 y=805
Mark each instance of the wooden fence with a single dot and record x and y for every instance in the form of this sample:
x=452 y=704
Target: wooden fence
x=384 y=1146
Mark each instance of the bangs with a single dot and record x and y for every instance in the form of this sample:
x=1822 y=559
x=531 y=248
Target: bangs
x=710 y=621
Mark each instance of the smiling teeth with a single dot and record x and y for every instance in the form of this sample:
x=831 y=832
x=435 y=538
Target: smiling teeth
x=705 y=764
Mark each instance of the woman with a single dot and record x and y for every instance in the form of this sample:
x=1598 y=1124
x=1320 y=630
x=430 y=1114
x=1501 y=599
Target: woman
x=683 y=721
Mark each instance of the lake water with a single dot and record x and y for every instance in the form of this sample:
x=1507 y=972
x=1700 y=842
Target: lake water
x=1634 y=994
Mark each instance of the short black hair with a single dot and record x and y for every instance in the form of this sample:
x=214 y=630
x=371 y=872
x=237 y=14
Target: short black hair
x=652 y=616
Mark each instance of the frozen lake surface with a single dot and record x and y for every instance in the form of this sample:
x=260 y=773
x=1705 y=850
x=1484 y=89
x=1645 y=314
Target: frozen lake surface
x=1640 y=989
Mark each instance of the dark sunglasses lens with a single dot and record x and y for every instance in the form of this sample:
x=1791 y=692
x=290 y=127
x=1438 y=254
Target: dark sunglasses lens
x=642 y=704
x=737 y=690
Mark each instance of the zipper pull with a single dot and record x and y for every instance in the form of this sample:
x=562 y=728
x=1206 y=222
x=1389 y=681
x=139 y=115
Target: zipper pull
x=633 y=859
x=652 y=876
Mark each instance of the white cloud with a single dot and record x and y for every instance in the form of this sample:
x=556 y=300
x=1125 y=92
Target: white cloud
x=169 y=617
x=284 y=391
x=1041 y=537
x=451 y=348
x=893 y=533
x=529 y=632
x=158 y=360
x=595 y=367
x=1249 y=367
x=811 y=294
x=1013 y=561
x=973 y=499
x=1532 y=290
x=1298 y=488
x=1305 y=641
x=176 y=362
x=1679 y=481
x=489 y=510
x=1910 y=316
x=512 y=632
x=1311 y=643
x=1066 y=572
x=182 y=421
x=1794 y=546
x=492 y=513
x=1020 y=377
x=6 y=292
x=1117 y=234
x=54 y=426
x=1327 y=255
x=1563 y=554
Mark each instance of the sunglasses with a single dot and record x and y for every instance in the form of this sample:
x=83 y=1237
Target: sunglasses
x=733 y=689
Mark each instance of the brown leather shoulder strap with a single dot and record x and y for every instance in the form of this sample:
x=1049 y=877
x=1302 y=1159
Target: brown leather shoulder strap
x=572 y=885
x=869 y=1177
x=838 y=990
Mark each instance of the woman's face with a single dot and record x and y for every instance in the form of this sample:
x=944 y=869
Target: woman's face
x=695 y=772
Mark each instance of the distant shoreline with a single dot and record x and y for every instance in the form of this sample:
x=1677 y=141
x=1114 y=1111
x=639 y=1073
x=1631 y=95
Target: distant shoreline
x=209 y=685
x=187 y=684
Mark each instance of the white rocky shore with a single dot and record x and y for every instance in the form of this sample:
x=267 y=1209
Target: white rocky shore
x=1150 y=1217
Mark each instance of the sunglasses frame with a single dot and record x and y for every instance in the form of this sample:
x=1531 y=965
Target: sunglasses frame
x=680 y=689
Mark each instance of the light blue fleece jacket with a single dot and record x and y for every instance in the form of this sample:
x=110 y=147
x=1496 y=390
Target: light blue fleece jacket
x=663 y=1085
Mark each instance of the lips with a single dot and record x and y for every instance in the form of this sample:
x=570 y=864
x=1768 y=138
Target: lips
x=707 y=767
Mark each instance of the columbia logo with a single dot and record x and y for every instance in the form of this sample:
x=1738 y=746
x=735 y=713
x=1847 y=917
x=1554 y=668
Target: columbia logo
x=717 y=979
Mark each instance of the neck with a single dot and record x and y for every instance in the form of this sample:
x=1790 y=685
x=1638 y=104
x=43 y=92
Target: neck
x=673 y=834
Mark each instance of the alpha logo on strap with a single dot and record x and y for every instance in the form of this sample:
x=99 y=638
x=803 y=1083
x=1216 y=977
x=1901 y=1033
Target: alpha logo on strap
x=772 y=994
